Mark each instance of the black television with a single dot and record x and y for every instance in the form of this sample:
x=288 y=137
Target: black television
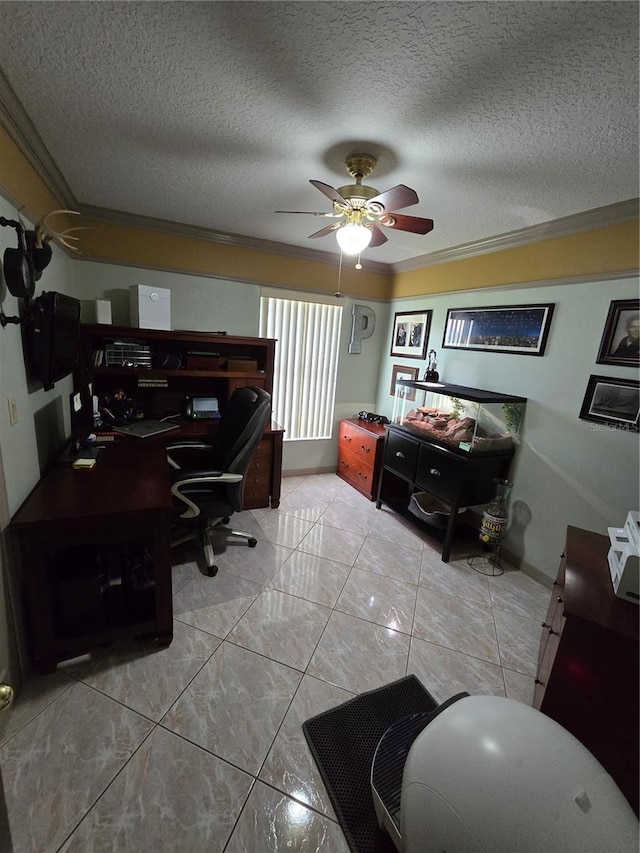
x=53 y=330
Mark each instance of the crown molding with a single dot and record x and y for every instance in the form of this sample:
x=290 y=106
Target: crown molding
x=588 y=220
x=15 y=119
x=165 y=226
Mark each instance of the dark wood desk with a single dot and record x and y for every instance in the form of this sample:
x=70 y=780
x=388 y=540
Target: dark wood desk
x=95 y=554
x=587 y=676
x=263 y=481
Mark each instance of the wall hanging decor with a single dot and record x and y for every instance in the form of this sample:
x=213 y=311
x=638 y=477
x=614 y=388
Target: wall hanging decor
x=518 y=329
x=399 y=371
x=612 y=403
x=363 y=323
x=410 y=334
x=620 y=342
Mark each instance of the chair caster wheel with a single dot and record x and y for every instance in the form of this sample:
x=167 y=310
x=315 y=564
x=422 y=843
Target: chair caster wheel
x=252 y=543
x=212 y=571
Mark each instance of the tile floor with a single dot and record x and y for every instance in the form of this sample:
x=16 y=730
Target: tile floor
x=199 y=746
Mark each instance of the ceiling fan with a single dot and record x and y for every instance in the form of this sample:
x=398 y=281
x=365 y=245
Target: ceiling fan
x=361 y=210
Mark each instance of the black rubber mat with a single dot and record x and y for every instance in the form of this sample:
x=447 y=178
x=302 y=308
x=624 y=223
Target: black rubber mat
x=343 y=742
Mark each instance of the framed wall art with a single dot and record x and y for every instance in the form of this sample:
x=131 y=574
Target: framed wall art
x=621 y=337
x=410 y=334
x=399 y=371
x=612 y=402
x=518 y=329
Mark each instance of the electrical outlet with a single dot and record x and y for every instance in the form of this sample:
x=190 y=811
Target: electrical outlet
x=13 y=411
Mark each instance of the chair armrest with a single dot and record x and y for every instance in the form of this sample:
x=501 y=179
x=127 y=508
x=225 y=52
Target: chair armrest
x=197 y=444
x=184 y=445
x=192 y=477
x=186 y=477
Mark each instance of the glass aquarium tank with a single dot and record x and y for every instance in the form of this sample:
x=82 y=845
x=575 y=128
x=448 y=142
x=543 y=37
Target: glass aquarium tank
x=469 y=419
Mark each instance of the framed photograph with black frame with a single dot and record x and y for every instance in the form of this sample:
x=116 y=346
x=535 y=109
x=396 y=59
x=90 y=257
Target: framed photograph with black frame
x=399 y=371
x=516 y=329
x=620 y=342
x=612 y=401
x=410 y=334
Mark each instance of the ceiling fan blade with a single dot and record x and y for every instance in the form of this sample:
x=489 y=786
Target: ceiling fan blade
x=415 y=224
x=379 y=237
x=396 y=198
x=334 y=195
x=326 y=230
x=309 y=213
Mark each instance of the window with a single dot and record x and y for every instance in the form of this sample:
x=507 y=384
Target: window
x=304 y=383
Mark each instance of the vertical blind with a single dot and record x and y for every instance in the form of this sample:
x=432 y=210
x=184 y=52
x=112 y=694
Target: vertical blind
x=306 y=364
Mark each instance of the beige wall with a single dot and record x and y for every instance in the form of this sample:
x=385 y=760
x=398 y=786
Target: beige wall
x=600 y=251
x=565 y=472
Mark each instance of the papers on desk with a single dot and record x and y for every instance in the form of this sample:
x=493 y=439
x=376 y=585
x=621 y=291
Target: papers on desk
x=84 y=463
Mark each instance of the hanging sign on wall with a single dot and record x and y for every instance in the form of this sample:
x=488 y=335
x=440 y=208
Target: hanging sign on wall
x=363 y=322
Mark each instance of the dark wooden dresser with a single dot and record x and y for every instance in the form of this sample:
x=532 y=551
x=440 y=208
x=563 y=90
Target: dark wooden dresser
x=588 y=665
x=413 y=463
x=360 y=447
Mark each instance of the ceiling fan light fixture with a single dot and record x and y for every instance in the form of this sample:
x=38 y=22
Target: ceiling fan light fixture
x=353 y=238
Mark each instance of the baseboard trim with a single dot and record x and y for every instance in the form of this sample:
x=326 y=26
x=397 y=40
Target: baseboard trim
x=305 y=472
x=527 y=569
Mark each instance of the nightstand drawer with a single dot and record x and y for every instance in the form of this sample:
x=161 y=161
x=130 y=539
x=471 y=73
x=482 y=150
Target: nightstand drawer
x=401 y=455
x=353 y=469
x=358 y=441
x=360 y=446
x=439 y=473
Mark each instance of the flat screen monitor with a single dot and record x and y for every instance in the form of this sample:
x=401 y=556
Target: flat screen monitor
x=81 y=412
x=53 y=331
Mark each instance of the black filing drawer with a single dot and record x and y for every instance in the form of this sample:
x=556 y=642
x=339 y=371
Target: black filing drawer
x=401 y=454
x=439 y=472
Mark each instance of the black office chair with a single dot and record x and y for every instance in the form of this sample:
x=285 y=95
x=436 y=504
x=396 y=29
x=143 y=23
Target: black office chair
x=208 y=487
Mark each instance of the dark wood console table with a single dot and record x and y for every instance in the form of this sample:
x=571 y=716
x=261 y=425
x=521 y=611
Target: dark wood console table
x=587 y=676
x=412 y=463
x=95 y=554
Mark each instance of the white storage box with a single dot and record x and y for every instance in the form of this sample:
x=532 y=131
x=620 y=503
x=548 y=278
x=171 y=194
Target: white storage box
x=103 y=311
x=624 y=559
x=150 y=307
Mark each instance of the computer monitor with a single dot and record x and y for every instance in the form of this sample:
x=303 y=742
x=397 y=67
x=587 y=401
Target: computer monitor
x=81 y=411
x=53 y=331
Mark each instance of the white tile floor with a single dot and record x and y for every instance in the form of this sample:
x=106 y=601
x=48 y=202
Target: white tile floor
x=199 y=746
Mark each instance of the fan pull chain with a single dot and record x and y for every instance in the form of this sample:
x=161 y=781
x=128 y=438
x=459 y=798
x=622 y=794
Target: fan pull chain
x=338 y=294
x=358 y=264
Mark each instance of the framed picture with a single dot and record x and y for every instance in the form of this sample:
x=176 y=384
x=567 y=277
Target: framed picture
x=410 y=333
x=518 y=329
x=621 y=336
x=612 y=401
x=398 y=371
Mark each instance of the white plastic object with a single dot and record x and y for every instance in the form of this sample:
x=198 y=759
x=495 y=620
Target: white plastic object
x=491 y=775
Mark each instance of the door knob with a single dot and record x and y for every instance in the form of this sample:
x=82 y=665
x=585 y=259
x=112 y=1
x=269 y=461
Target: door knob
x=6 y=696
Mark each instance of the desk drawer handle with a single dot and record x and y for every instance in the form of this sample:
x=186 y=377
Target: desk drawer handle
x=435 y=472
x=346 y=438
x=551 y=631
x=366 y=449
x=399 y=454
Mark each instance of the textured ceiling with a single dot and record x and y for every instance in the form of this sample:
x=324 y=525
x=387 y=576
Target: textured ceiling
x=500 y=115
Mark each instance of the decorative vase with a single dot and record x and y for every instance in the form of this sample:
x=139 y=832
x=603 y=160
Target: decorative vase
x=495 y=518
